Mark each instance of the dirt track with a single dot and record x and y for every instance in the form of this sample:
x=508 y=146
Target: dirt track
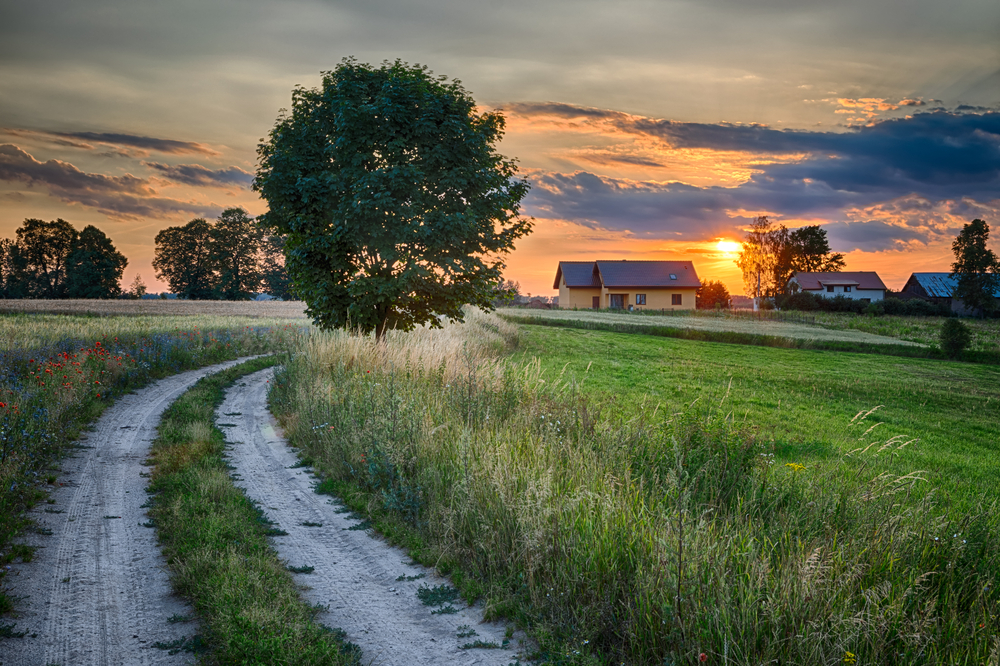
x=355 y=574
x=97 y=591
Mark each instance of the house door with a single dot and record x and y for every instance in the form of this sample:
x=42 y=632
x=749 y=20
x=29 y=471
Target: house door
x=596 y=303
x=617 y=301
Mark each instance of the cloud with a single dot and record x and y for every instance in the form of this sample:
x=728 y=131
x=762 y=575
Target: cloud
x=199 y=176
x=899 y=181
x=85 y=141
x=116 y=196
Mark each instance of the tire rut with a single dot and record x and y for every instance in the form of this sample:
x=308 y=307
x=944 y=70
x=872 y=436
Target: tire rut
x=355 y=575
x=97 y=591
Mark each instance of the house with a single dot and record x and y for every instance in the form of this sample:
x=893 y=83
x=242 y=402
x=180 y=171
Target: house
x=623 y=284
x=936 y=288
x=858 y=285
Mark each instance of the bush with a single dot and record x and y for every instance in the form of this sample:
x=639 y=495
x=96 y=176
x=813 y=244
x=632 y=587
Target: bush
x=955 y=337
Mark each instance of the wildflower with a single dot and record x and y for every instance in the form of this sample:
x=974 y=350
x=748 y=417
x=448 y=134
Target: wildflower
x=850 y=658
x=795 y=467
x=703 y=657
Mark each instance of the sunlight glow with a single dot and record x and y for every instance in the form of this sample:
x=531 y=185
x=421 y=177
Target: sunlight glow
x=728 y=246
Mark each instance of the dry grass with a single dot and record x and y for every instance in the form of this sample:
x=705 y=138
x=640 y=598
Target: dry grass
x=716 y=323
x=157 y=307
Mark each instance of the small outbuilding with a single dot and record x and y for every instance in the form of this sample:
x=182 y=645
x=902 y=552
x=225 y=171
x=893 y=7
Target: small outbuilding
x=937 y=288
x=627 y=285
x=864 y=286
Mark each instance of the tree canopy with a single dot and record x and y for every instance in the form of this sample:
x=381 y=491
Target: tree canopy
x=227 y=259
x=94 y=267
x=45 y=247
x=184 y=259
x=976 y=267
x=711 y=295
x=771 y=255
x=395 y=205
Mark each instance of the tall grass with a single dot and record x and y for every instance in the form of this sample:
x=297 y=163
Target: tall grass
x=638 y=534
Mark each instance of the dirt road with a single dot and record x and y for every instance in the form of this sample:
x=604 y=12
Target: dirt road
x=97 y=591
x=356 y=575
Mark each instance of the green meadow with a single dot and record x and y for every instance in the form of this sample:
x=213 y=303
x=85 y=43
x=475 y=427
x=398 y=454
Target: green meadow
x=800 y=400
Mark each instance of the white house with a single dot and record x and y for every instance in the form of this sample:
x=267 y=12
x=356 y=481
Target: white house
x=858 y=285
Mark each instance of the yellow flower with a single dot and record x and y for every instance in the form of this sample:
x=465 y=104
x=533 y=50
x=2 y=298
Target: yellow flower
x=849 y=657
x=797 y=468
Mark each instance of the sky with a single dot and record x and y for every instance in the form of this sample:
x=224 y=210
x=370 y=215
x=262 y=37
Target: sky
x=648 y=129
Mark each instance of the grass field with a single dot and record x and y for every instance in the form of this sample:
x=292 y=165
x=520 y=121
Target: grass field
x=801 y=400
x=640 y=500
x=924 y=330
x=715 y=323
x=157 y=307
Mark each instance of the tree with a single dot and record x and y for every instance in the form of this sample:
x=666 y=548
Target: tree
x=771 y=255
x=395 y=205
x=94 y=267
x=184 y=258
x=976 y=267
x=711 y=295
x=236 y=246
x=13 y=278
x=44 y=248
x=274 y=277
x=138 y=288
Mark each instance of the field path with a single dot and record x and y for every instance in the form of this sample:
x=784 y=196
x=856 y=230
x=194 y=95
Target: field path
x=355 y=574
x=97 y=591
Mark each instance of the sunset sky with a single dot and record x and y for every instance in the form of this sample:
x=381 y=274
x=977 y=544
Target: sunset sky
x=649 y=129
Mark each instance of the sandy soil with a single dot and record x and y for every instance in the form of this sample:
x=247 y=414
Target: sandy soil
x=355 y=573
x=97 y=591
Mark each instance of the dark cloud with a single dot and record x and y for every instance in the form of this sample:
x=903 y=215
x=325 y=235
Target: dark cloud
x=141 y=142
x=197 y=175
x=117 y=196
x=919 y=161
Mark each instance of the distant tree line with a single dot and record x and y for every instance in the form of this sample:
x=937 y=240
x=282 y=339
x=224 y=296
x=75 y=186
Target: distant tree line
x=53 y=260
x=231 y=259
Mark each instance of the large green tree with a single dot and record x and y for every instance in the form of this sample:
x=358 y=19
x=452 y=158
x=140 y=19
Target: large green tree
x=13 y=271
x=184 y=258
x=44 y=248
x=236 y=246
x=395 y=205
x=976 y=267
x=94 y=267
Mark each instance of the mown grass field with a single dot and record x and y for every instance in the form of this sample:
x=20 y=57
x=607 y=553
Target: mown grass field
x=924 y=330
x=801 y=400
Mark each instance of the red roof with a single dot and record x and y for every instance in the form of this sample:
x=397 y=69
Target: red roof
x=859 y=279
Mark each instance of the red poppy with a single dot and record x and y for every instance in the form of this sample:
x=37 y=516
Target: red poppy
x=702 y=657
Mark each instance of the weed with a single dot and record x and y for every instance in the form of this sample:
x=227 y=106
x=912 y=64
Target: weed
x=486 y=645
x=447 y=609
x=148 y=523
x=363 y=525
x=301 y=570
x=411 y=578
x=234 y=414
x=307 y=523
x=275 y=531
x=192 y=645
x=53 y=511
x=437 y=595
x=465 y=631
x=7 y=631
x=111 y=517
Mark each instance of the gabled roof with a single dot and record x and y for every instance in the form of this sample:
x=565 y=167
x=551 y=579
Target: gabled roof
x=578 y=274
x=859 y=279
x=626 y=273
x=938 y=285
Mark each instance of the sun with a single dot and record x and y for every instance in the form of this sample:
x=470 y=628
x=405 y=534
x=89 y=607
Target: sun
x=728 y=246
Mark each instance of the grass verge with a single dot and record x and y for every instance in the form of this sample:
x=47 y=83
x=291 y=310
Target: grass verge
x=215 y=542
x=644 y=532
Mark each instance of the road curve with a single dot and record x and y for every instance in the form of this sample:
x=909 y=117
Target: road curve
x=355 y=574
x=97 y=591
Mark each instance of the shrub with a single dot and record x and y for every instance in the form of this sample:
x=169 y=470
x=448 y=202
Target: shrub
x=955 y=337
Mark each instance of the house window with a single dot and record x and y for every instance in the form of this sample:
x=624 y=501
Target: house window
x=673 y=276
x=847 y=290
x=676 y=299
x=829 y=288
x=640 y=299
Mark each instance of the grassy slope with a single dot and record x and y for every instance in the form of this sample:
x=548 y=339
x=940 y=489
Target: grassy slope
x=803 y=399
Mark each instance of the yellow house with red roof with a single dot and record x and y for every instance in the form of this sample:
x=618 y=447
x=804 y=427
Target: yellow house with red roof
x=627 y=285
